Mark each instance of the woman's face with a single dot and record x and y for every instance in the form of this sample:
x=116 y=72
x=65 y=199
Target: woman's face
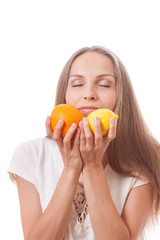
x=91 y=83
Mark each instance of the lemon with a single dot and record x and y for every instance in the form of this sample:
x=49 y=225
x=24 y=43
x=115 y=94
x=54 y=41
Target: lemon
x=104 y=115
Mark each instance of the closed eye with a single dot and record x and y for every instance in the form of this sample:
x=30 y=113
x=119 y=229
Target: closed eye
x=77 y=85
x=106 y=86
x=104 y=83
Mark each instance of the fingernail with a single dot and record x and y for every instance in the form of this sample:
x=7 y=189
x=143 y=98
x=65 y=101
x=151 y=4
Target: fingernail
x=74 y=125
x=85 y=119
x=95 y=119
x=112 y=120
x=60 y=122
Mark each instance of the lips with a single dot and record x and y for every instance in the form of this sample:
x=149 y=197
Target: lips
x=87 y=109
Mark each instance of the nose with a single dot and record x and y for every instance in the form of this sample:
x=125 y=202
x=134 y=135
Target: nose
x=89 y=98
x=90 y=94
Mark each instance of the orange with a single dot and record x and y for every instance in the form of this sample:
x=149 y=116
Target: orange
x=68 y=113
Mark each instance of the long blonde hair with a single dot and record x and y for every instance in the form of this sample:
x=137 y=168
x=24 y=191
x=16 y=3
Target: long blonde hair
x=134 y=150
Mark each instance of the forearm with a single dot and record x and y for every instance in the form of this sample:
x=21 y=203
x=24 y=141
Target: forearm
x=105 y=219
x=53 y=222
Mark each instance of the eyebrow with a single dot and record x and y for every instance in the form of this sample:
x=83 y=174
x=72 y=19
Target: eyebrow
x=76 y=75
x=105 y=75
x=101 y=75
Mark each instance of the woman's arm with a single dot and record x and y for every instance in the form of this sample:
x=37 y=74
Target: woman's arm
x=105 y=219
x=52 y=224
x=104 y=216
x=137 y=209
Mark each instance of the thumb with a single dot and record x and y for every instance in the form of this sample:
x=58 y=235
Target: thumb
x=49 y=130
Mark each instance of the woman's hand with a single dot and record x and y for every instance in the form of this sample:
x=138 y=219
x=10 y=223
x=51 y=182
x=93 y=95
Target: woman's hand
x=93 y=147
x=68 y=146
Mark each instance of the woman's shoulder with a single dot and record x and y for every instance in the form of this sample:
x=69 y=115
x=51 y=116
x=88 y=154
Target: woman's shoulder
x=36 y=145
x=120 y=186
x=30 y=156
x=37 y=142
x=127 y=182
x=34 y=152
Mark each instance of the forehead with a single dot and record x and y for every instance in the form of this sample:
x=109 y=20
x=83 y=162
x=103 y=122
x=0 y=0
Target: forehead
x=92 y=62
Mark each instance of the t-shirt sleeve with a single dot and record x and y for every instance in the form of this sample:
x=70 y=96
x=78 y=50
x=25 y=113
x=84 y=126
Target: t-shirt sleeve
x=139 y=182
x=22 y=163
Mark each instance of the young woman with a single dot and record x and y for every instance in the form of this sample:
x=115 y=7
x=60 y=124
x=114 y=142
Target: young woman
x=85 y=186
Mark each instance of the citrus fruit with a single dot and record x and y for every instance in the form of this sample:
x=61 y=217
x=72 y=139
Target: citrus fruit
x=68 y=113
x=104 y=115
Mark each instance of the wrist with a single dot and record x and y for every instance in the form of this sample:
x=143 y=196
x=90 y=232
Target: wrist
x=92 y=167
x=72 y=171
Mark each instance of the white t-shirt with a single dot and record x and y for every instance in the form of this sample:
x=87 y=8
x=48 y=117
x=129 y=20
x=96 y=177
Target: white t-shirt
x=39 y=162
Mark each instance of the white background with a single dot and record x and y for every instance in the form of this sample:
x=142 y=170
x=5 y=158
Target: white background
x=36 y=40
